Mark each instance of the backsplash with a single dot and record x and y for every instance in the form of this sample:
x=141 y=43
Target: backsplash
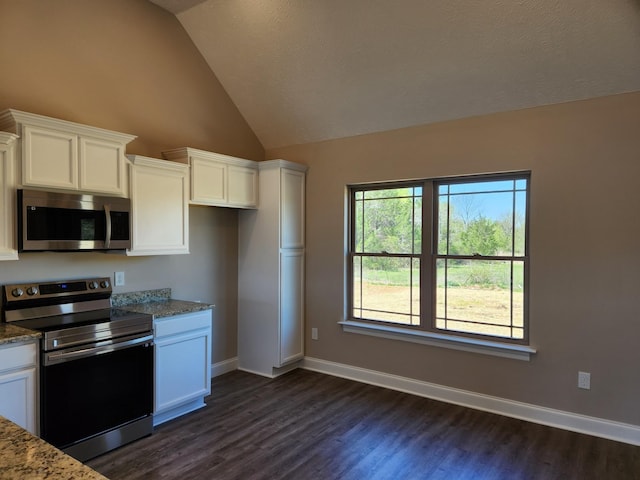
x=144 y=296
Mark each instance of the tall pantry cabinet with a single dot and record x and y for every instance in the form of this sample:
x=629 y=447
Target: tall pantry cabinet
x=271 y=272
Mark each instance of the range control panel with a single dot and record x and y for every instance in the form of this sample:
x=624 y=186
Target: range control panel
x=44 y=290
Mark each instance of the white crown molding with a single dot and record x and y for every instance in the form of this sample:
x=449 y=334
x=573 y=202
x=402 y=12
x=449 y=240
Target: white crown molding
x=279 y=163
x=13 y=120
x=185 y=154
x=155 y=162
x=599 y=427
x=7 y=138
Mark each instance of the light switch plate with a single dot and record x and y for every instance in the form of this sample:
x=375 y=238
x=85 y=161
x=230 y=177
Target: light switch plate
x=118 y=279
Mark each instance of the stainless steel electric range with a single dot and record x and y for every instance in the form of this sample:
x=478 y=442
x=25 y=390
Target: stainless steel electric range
x=96 y=364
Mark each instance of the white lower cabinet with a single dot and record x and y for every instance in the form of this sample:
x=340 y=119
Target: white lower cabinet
x=18 y=384
x=182 y=364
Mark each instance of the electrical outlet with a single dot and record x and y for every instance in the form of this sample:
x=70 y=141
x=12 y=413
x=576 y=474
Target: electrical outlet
x=584 y=380
x=314 y=333
x=118 y=279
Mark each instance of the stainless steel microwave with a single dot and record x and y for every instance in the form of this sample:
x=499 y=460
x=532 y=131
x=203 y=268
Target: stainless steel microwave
x=72 y=222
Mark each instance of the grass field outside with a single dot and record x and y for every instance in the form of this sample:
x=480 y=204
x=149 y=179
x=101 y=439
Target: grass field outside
x=478 y=298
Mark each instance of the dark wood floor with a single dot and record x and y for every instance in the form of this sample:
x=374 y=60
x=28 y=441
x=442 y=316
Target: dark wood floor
x=308 y=426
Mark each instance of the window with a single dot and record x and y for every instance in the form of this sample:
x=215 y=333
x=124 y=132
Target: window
x=447 y=256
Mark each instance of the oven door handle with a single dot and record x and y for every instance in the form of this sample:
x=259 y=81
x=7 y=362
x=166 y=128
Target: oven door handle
x=53 y=358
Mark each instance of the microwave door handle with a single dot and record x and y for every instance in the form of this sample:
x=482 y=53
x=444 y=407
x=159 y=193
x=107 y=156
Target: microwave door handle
x=107 y=239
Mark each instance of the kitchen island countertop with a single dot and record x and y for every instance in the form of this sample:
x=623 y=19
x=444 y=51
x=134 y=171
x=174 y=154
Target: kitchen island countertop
x=25 y=456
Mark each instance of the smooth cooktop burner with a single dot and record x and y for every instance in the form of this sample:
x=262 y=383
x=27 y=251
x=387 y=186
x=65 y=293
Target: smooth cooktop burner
x=58 y=322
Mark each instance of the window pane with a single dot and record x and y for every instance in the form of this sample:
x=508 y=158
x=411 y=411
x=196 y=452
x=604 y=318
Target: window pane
x=443 y=225
x=475 y=296
x=387 y=289
x=388 y=221
x=521 y=184
x=357 y=285
x=358 y=226
x=481 y=218
x=520 y=222
x=518 y=294
x=481 y=186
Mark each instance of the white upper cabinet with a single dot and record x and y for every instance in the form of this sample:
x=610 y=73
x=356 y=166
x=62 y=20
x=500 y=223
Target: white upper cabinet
x=8 y=249
x=292 y=201
x=70 y=156
x=219 y=180
x=159 y=207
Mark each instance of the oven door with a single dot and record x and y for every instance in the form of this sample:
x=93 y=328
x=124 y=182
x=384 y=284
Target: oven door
x=87 y=391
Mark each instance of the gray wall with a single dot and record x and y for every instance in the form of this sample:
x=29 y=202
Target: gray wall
x=585 y=255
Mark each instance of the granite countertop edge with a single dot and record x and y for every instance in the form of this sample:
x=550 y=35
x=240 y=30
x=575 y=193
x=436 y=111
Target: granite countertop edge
x=157 y=303
x=10 y=334
x=167 y=308
x=26 y=456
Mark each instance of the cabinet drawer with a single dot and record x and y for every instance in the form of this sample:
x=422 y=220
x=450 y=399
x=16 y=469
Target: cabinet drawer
x=182 y=323
x=19 y=356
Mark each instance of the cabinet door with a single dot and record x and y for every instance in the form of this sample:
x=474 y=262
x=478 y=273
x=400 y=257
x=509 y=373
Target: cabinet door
x=291 y=306
x=182 y=369
x=208 y=182
x=292 y=204
x=243 y=186
x=7 y=198
x=159 y=208
x=50 y=158
x=101 y=166
x=17 y=397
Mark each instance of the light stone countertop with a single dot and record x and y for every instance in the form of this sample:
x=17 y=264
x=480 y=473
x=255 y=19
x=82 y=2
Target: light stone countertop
x=156 y=302
x=27 y=457
x=13 y=334
x=167 y=308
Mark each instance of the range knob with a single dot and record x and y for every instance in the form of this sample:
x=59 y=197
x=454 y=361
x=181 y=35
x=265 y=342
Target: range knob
x=104 y=283
x=17 y=292
x=32 y=291
x=93 y=285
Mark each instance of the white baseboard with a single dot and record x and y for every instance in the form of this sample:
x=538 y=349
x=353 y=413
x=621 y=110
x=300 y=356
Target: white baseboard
x=273 y=371
x=224 y=366
x=598 y=427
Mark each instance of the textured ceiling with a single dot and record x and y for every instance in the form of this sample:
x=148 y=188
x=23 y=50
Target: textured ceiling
x=309 y=70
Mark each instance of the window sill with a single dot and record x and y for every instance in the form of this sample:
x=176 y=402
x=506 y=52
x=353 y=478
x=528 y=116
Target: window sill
x=487 y=347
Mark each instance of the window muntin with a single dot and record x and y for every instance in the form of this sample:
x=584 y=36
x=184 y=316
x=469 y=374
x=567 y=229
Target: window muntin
x=465 y=274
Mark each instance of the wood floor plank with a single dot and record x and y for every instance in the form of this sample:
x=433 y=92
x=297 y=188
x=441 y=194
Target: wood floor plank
x=306 y=426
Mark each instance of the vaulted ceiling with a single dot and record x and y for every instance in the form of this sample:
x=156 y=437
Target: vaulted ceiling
x=310 y=70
